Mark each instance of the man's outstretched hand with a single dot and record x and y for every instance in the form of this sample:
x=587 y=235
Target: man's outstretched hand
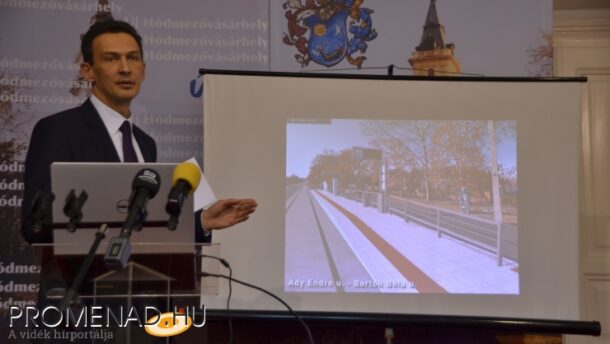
x=227 y=212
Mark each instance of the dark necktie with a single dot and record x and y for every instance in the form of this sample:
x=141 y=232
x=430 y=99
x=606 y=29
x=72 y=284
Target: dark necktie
x=129 y=153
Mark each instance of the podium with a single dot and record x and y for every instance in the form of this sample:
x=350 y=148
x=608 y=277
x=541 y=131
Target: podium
x=151 y=284
x=171 y=280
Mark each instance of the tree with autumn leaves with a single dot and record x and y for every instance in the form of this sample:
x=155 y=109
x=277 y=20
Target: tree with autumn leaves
x=427 y=160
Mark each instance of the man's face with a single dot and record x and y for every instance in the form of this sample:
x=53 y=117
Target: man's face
x=117 y=71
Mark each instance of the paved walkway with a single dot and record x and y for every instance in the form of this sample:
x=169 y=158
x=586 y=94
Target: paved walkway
x=330 y=239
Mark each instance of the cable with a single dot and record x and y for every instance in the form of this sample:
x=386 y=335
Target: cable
x=393 y=66
x=445 y=72
x=226 y=264
x=228 y=307
x=307 y=330
x=230 y=278
x=341 y=69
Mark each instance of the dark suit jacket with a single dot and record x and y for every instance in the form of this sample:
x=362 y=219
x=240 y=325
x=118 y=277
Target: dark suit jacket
x=74 y=135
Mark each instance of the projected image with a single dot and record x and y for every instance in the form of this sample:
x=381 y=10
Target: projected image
x=401 y=206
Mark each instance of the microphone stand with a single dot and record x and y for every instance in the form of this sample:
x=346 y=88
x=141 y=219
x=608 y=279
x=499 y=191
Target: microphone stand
x=84 y=268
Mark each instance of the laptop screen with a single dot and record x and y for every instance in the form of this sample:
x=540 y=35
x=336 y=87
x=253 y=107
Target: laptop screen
x=109 y=186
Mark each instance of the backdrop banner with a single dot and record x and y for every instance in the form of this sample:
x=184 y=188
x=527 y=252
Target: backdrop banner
x=40 y=58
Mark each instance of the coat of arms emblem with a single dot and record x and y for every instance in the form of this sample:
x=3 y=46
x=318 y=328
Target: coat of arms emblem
x=338 y=29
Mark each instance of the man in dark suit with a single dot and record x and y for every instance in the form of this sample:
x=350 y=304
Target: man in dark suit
x=100 y=130
x=79 y=135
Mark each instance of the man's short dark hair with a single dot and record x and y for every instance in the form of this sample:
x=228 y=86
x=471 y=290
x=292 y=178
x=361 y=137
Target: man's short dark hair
x=108 y=26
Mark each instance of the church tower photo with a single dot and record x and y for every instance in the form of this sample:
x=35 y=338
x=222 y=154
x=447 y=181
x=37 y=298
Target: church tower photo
x=433 y=56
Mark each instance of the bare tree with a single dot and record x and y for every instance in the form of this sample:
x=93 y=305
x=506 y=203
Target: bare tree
x=13 y=143
x=541 y=59
x=13 y=140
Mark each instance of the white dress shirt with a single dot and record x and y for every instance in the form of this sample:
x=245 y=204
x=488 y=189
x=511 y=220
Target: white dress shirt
x=113 y=121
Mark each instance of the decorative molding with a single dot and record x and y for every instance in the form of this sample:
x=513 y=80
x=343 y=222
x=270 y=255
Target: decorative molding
x=580 y=4
x=581 y=41
x=581 y=19
x=588 y=71
x=598 y=296
x=581 y=28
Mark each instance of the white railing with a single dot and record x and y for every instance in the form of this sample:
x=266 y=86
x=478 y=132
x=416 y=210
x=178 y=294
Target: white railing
x=486 y=234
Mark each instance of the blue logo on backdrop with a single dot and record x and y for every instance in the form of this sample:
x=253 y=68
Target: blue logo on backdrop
x=337 y=30
x=196 y=87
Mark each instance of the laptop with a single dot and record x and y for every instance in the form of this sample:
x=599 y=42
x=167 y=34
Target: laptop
x=109 y=186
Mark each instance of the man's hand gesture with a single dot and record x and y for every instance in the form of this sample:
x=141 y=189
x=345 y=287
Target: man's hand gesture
x=227 y=212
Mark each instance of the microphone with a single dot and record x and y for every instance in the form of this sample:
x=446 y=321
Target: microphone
x=41 y=213
x=185 y=180
x=145 y=186
x=73 y=209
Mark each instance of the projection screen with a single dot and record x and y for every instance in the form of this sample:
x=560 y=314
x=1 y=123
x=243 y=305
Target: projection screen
x=398 y=195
